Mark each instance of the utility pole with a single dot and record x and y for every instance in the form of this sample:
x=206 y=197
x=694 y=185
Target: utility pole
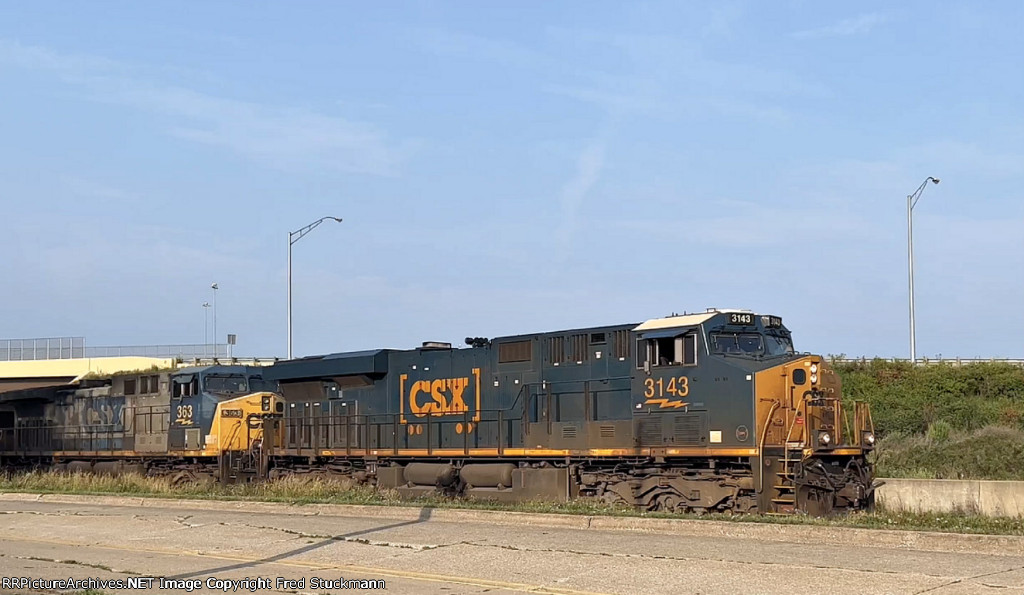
x=214 y=287
x=206 y=328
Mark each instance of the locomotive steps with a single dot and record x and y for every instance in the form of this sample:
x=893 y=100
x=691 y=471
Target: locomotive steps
x=998 y=545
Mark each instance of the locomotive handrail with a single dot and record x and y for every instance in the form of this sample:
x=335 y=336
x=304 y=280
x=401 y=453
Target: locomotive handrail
x=837 y=410
x=380 y=431
x=846 y=422
x=311 y=429
x=764 y=436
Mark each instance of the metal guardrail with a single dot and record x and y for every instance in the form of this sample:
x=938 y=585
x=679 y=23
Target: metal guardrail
x=189 y=351
x=227 y=361
x=42 y=349
x=948 y=361
x=58 y=348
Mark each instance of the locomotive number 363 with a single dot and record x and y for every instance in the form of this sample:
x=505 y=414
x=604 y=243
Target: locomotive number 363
x=184 y=414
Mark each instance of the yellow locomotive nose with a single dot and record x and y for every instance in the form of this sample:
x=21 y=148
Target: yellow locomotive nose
x=240 y=423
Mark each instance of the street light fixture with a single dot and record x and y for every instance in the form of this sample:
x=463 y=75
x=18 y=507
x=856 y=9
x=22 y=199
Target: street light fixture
x=295 y=236
x=911 y=203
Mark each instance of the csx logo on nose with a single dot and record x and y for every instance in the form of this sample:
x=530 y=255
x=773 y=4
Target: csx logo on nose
x=442 y=396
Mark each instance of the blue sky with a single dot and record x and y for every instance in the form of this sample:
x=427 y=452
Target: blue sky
x=511 y=167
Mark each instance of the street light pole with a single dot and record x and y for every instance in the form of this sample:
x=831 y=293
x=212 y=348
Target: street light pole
x=206 y=328
x=214 y=287
x=295 y=236
x=911 y=202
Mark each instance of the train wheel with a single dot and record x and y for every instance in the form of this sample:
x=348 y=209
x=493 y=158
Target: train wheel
x=184 y=478
x=666 y=503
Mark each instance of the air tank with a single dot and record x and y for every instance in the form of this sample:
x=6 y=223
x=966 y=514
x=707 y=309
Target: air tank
x=115 y=468
x=430 y=474
x=79 y=467
x=492 y=475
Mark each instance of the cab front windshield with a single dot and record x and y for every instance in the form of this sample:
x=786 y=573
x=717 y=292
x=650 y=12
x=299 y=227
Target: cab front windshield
x=751 y=344
x=737 y=343
x=257 y=384
x=778 y=345
x=233 y=383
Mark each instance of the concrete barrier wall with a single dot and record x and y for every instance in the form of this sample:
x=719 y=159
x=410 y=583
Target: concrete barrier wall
x=990 y=498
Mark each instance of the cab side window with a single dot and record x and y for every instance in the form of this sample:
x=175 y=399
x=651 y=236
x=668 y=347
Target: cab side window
x=186 y=386
x=679 y=350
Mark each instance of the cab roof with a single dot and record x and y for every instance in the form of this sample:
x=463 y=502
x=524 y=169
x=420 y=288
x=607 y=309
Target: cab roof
x=686 y=319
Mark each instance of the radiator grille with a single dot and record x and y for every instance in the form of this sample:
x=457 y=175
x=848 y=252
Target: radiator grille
x=556 y=349
x=516 y=351
x=622 y=344
x=686 y=430
x=650 y=431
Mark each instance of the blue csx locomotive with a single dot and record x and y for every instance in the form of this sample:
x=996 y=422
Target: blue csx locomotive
x=697 y=412
x=700 y=412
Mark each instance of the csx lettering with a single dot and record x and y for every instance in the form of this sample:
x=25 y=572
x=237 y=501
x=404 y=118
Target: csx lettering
x=442 y=396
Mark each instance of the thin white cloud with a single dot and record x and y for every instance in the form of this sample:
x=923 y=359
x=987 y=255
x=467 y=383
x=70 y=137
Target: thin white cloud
x=88 y=188
x=750 y=225
x=671 y=78
x=858 y=25
x=965 y=157
x=588 y=169
x=613 y=101
x=281 y=137
x=496 y=51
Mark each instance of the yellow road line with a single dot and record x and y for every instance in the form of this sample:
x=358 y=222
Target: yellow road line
x=368 y=570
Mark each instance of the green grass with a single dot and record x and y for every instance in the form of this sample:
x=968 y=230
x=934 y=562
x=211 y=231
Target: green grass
x=992 y=452
x=313 y=490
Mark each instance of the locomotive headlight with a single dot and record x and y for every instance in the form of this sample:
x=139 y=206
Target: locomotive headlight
x=814 y=368
x=814 y=378
x=825 y=438
x=869 y=438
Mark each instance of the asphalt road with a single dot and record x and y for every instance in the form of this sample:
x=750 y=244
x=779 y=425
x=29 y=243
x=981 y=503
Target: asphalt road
x=450 y=553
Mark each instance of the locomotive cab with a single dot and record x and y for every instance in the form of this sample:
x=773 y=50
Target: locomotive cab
x=729 y=383
x=196 y=396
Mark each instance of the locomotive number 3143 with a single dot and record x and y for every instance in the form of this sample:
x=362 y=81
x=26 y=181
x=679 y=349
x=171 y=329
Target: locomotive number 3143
x=657 y=389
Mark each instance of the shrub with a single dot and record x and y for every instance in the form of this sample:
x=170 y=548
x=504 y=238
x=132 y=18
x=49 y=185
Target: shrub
x=908 y=399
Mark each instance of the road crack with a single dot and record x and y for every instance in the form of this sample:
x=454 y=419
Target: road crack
x=77 y=563
x=972 y=578
x=339 y=538
x=183 y=521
